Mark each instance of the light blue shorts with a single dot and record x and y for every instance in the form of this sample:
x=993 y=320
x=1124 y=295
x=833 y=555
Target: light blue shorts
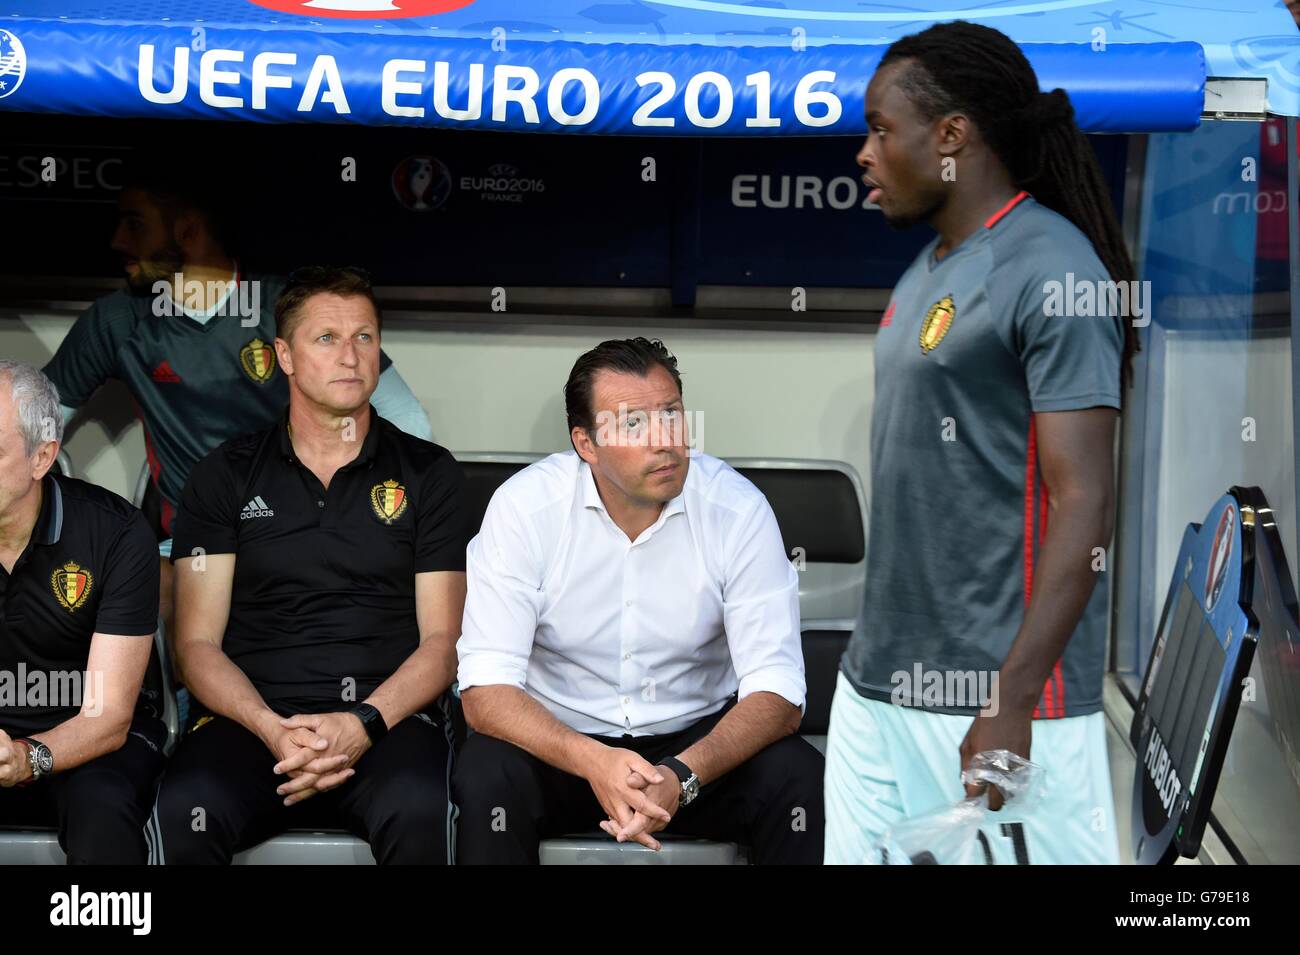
x=887 y=763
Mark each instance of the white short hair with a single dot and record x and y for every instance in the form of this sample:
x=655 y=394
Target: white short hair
x=37 y=402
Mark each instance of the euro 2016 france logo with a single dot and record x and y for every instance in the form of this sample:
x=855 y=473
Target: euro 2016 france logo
x=13 y=63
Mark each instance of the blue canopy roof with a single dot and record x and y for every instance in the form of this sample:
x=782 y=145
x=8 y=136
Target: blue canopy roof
x=647 y=67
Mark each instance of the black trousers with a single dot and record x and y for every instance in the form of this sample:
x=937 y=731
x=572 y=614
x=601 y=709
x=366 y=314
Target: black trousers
x=100 y=808
x=218 y=796
x=509 y=800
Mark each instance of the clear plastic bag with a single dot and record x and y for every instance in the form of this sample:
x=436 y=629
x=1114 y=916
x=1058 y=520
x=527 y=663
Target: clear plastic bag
x=951 y=835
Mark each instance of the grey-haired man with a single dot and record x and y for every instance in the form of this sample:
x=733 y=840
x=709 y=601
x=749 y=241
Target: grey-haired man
x=79 y=747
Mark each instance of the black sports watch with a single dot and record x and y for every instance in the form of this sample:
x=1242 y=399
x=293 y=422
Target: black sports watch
x=372 y=720
x=690 y=782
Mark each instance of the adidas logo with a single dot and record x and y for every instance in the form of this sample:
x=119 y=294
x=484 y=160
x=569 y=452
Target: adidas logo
x=165 y=373
x=255 y=508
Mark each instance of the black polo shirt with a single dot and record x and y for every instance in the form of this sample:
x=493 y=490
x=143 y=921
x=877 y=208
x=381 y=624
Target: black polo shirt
x=91 y=566
x=194 y=384
x=322 y=609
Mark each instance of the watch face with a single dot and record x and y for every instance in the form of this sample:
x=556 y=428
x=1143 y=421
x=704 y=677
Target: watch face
x=40 y=758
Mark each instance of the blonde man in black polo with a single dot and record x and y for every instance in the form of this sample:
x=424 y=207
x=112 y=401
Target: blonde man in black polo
x=319 y=587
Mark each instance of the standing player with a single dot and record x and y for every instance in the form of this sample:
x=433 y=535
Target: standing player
x=201 y=372
x=996 y=406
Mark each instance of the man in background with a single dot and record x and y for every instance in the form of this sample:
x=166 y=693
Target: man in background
x=191 y=336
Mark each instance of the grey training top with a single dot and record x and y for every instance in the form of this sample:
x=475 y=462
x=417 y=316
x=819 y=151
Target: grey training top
x=970 y=349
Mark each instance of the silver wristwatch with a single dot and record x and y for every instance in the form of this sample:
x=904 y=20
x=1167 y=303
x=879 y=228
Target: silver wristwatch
x=690 y=782
x=39 y=758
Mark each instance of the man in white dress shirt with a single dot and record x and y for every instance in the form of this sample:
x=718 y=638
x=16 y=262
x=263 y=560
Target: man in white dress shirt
x=630 y=654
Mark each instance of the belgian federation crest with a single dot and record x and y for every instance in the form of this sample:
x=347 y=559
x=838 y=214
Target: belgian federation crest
x=388 y=500
x=257 y=358
x=937 y=322
x=71 y=584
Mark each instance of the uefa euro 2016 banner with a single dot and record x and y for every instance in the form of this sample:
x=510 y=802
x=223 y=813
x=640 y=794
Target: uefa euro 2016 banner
x=293 y=75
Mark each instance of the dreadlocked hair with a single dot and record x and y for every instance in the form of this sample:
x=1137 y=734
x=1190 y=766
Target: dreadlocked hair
x=962 y=67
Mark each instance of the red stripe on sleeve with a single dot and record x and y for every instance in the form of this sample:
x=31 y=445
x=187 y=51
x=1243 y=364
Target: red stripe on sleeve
x=1031 y=476
x=1031 y=482
x=1056 y=681
x=1052 y=703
